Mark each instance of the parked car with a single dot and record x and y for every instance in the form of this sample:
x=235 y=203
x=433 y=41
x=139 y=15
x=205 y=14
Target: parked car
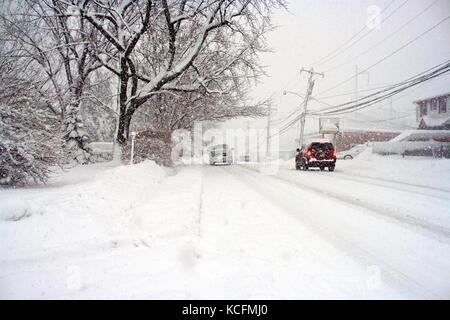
x=431 y=143
x=220 y=154
x=352 y=153
x=317 y=154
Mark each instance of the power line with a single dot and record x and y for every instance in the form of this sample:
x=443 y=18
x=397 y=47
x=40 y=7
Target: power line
x=386 y=38
x=413 y=81
x=389 y=55
x=353 y=92
x=366 y=34
x=296 y=110
x=393 y=86
x=378 y=99
x=441 y=69
x=285 y=128
x=387 y=87
x=366 y=104
x=369 y=32
x=326 y=58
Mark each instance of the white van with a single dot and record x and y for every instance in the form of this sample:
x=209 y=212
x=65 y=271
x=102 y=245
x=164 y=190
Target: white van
x=220 y=154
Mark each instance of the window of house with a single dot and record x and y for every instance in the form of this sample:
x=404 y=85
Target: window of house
x=434 y=105
x=443 y=105
x=423 y=109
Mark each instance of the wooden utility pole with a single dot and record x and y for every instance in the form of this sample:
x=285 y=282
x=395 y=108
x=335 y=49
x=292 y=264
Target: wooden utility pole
x=307 y=96
x=269 y=119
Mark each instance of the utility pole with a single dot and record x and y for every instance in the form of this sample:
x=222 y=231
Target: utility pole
x=269 y=119
x=247 y=154
x=391 y=107
x=311 y=82
x=356 y=84
x=257 y=145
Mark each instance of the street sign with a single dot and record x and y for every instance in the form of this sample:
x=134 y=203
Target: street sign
x=328 y=125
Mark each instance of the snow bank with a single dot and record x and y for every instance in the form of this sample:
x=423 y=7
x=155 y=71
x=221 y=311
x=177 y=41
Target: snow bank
x=116 y=193
x=101 y=208
x=112 y=228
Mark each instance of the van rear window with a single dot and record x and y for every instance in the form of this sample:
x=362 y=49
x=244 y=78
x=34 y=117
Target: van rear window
x=324 y=147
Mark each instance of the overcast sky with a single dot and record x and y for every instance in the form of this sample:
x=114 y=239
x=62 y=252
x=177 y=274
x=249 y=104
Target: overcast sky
x=314 y=28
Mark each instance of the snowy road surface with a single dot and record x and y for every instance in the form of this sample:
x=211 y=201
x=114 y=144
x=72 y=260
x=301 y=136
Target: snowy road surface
x=229 y=232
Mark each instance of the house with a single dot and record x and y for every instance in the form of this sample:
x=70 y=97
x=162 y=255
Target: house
x=433 y=113
x=351 y=132
x=355 y=131
x=346 y=139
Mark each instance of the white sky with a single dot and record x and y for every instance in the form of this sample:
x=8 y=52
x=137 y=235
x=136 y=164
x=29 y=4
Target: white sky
x=314 y=28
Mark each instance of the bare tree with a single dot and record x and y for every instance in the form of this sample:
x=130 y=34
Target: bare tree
x=29 y=145
x=176 y=46
x=181 y=111
x=61 y=45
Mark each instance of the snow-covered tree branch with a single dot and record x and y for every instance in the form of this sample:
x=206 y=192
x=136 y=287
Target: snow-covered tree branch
x=61 y=45
x=29 y=143
x=177 y=45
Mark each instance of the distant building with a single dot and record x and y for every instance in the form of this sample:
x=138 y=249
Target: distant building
x=354 y=131
x=346 y=139
x=433 y=113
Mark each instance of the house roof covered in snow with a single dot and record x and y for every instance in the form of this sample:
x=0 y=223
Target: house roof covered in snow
x=432 y=97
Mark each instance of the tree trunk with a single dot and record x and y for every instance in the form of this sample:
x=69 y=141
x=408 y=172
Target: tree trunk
x=124 y=118
x=124 y=128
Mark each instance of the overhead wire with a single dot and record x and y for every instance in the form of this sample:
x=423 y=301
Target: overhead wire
x=386 y=38
x=336 y=52
x=389 y=55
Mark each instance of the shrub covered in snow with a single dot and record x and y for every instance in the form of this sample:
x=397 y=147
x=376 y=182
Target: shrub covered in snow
x=29 y=146
x=29 y=132
x=153 y=145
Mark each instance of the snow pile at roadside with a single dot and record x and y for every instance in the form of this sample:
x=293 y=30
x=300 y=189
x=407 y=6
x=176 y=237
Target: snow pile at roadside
x=113 y=190
x=107 y=192
x=114 y=229
x=91 y=213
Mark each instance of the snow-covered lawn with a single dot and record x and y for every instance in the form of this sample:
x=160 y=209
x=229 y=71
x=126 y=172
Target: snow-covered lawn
x=378 y=227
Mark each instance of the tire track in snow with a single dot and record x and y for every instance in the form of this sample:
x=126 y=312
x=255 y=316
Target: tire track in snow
x=200 y=204
x=345 y=244
x=419 y=186
x=437 y=232
x=395 y=186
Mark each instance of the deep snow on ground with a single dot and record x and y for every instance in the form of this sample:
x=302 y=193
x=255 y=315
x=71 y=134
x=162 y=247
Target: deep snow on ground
x=378 y=227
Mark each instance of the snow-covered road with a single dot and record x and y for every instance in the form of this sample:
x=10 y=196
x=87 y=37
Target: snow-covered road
x=374 y=226
x=226 y=233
